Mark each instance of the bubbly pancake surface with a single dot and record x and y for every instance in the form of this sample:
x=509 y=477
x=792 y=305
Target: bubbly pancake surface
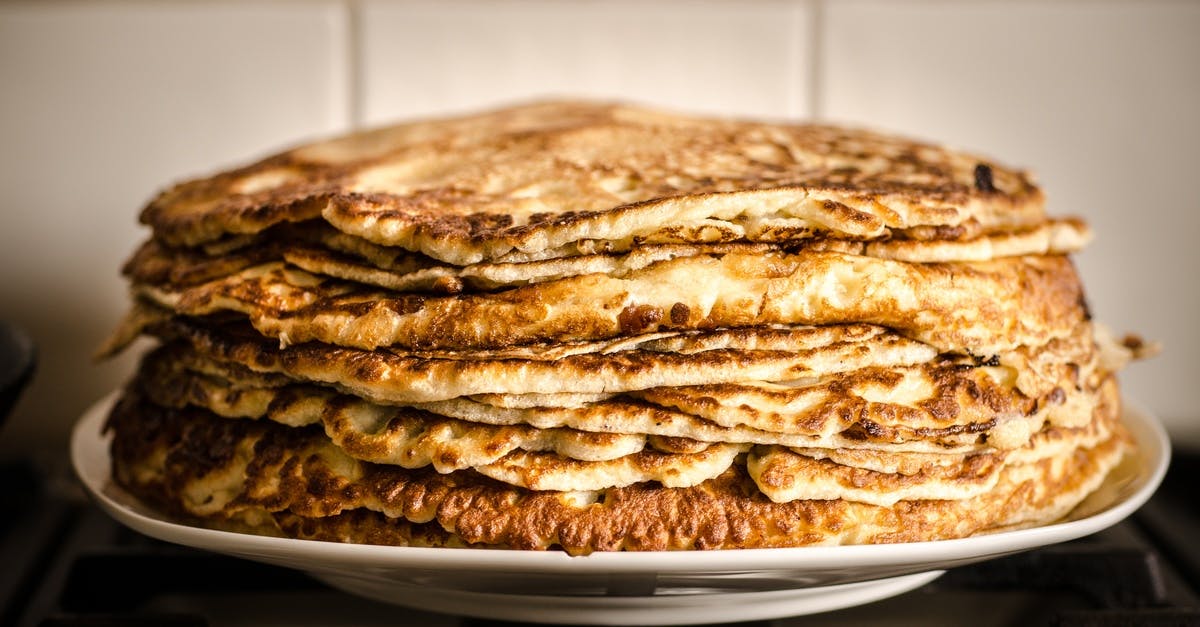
x=543 y=175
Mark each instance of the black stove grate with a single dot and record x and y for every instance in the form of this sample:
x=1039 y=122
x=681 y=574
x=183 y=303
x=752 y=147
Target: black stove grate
x=67 y=564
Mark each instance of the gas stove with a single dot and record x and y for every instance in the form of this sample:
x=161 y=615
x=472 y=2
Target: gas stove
x=67 y=563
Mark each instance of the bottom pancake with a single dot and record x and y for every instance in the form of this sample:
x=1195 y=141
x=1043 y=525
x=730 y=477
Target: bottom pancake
x=272 y=479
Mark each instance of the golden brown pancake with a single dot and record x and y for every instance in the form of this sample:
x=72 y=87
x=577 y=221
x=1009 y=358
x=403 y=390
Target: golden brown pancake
x=984 y=307
x=594 y=326
x=943 y=407
x=400 y=378
x=543 y=175
x=883 y=479
x=319 y=249
x=211 y=467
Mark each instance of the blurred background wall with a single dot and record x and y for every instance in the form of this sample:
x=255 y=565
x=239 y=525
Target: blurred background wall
x=104 y=103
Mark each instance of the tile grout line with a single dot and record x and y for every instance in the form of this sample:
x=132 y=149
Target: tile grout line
x=797 y=95
x=353 y=62
x=816 y=39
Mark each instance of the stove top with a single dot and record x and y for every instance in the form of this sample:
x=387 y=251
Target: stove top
x=66 y=563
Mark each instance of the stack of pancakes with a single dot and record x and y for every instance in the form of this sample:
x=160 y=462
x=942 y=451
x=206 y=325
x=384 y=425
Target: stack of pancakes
x=593 y=327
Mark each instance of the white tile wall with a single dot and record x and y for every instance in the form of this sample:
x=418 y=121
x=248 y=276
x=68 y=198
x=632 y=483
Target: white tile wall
x=103 y=103
x=702 y=55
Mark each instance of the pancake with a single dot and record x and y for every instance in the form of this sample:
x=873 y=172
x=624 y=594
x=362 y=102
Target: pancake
x=1052 y=238
x=358 y=526
x=542 y=175
x=685 y=371
x=324 y=251
x=1030 y=300
x=588 y=326
x=785 y=475
x=933 y=405
x=211 y=467
x=394 y=435
x=392 y=378
x=939 y=407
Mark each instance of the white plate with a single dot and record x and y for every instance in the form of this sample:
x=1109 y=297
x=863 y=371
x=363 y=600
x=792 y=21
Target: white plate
x=651 y=588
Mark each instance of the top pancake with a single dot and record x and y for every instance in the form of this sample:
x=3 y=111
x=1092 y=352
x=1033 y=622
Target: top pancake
x=542 y=176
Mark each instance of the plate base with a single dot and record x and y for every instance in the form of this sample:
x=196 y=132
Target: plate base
x=670 y=609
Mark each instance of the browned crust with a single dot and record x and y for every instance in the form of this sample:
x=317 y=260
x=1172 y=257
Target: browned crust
x=450 y=187
x=360 y=526
x=317 y=248
x=963 y=399
x=393 y=378
x=290 y=470
x=984 y=307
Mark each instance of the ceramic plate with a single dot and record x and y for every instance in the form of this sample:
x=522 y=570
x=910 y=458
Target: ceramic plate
x=651 y=588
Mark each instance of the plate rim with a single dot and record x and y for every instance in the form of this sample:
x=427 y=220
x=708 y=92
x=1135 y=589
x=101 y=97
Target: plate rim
x=689 y=609
x=87 y=445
